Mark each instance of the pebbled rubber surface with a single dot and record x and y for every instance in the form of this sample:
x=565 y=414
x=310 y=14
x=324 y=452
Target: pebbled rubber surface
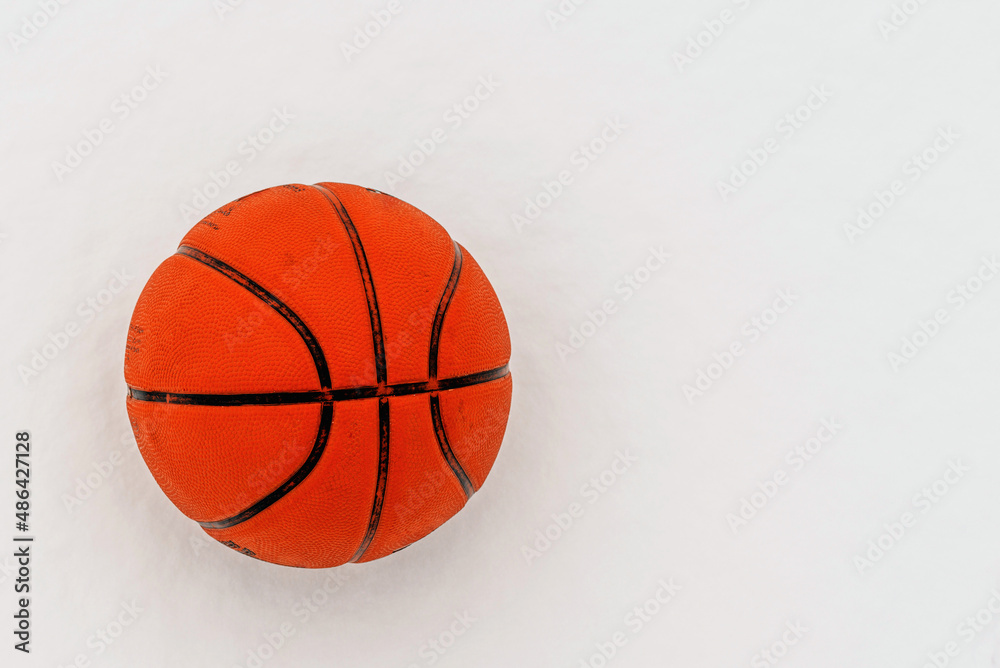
x=319 y=375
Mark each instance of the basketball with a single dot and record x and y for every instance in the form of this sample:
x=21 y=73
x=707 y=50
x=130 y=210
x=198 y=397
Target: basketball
x=319 y=375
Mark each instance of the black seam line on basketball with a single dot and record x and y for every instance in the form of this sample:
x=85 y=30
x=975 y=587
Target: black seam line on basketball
x=383 y=475
x=446 y=296
x=317 y=396
x=381 y=373
x=378 y=343
x=322 y=436
x=432 y=363
x=319 y=359
x=322 y=371
x=449 y=454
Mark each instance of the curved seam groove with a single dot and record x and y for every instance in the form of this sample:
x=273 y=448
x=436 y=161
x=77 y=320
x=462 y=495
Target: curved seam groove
x=319 y=359
x=381 y=373
x=443 y=304
x=378 y=343
x=449 y=454
x=383 y=476
x=322 y=371
x=322 y=436
x=432 y=367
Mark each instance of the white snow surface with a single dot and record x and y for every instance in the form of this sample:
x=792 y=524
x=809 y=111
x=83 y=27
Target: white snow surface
x=904 y=97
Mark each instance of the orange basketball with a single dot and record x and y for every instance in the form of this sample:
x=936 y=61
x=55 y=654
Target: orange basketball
x=318 y=375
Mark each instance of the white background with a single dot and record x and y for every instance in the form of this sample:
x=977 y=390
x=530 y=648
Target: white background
x=687 y=126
